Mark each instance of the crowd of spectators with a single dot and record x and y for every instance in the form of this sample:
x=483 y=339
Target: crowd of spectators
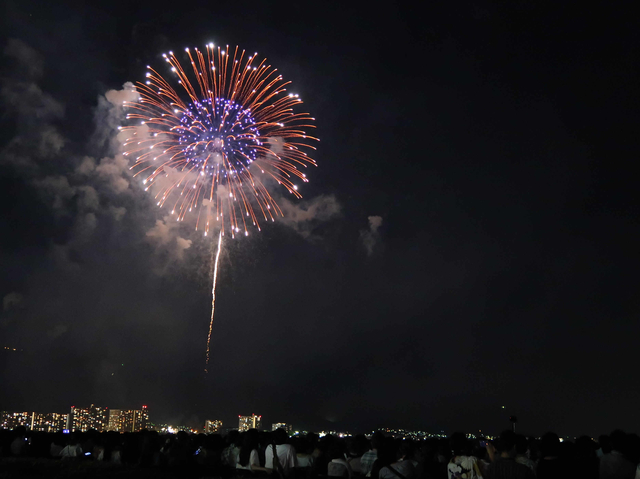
x=258 y=453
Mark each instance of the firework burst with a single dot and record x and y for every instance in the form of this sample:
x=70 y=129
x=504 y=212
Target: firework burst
x=213 y=147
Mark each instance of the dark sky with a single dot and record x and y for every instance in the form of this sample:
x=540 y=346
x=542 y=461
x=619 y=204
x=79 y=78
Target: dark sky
x=495 y=141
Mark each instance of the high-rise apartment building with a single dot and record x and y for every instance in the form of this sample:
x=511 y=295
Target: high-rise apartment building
x=249 y=422
x=136 y=420
x=48 y=422
x=128 y=420
x=11 y=420
x=116 y=420
x=83 y=419
x=212 y=426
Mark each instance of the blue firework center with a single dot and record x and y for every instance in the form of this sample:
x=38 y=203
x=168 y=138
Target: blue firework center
x=219 y=130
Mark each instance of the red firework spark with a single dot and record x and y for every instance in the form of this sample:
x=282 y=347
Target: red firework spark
x=215 y=146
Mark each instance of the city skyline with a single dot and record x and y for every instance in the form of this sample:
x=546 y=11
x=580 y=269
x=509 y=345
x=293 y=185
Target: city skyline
x=94 y=417
x=56 y=422
x=103 y=418
x=47 y=422
x=109 y=419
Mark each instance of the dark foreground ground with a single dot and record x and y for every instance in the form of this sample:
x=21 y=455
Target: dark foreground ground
x=56 y=468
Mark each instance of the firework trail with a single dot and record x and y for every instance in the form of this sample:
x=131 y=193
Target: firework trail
x=214 y=147
x=213 y=296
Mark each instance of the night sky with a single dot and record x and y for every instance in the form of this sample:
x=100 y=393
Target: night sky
x=468 y=241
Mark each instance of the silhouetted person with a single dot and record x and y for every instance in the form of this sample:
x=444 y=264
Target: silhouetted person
x=248 y=457
x=304 y=452
x=285 y=452
x=585 y=462
x=522 y=450
x=339 y=466
x=604 y=441
x=616 y=464
x=551 y=464
x=369 y=457
x=19 y=443
x=357 y=447
x=72 y=449
x=503 y=464
x=230 y=453
x=181 y=450
x=390 y=463
x=462 y=463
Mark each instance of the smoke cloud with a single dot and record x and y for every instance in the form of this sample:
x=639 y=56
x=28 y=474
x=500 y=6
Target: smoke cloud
x=304 y=216
x=371 y=238
x=82 y=192
x=11 y=301
x=165 y=236
x=33 y=111
x=57 y=331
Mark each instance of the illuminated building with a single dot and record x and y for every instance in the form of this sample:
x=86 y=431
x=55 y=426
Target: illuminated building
x=281 y=425
x=249 y=422
x=115 y=420
x=11 y=420
x=212 y=426
x=129 y=420
x=135 y=420
x=48 y=422
x=93 y=417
